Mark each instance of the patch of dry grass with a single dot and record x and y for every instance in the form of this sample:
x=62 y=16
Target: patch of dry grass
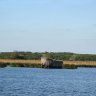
x=39 y=62
x=20 y=61
x=80 y=62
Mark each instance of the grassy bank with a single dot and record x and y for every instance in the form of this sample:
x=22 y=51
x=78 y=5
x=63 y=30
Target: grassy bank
x=81 y=63
x=20 y=63
x=37 y=63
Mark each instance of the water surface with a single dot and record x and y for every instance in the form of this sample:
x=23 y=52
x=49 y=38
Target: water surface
x=47 y=82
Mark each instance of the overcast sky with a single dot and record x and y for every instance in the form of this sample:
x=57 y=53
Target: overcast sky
x=48 y=25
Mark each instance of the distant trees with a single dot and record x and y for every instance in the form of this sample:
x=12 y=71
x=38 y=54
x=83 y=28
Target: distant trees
x=53 y=55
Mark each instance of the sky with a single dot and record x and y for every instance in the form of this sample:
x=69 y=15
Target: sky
x=48 y=25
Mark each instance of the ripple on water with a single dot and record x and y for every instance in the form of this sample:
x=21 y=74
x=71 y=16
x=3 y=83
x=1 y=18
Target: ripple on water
x=47 y=82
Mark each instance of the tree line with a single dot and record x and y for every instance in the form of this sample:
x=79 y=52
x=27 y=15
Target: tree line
x=53 y=55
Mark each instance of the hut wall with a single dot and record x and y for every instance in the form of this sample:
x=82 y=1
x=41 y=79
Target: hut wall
x=50 y=63
x=43 y=60
x=56 y=64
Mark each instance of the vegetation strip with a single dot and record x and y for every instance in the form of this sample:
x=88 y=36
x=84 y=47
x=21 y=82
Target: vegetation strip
x=37 y=63
x=66 y=56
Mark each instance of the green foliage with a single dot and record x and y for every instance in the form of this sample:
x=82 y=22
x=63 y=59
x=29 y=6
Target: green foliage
x=22 y=65
x=67 y=66
x=53 y=55
x=2 y=65
x=16 y=65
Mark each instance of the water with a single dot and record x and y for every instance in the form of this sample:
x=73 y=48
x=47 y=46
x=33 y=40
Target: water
x=47 y=82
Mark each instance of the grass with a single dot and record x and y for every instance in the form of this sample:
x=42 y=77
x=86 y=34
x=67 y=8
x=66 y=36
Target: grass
x=20 y=63
x=37 y=63
x=81 y=63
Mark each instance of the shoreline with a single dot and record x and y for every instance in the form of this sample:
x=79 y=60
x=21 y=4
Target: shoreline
x=37 y=63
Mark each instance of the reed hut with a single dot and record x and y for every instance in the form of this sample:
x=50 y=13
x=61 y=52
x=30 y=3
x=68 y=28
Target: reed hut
x=51 y=63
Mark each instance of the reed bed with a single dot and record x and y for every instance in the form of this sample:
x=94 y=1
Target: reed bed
x=37 y=63
x=20 y=61
x=81 y=63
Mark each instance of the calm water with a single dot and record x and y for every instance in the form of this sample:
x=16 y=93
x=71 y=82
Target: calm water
x=47 y=82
